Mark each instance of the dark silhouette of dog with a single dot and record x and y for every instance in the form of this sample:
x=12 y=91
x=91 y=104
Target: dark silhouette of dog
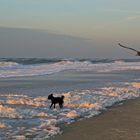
x=56 y=100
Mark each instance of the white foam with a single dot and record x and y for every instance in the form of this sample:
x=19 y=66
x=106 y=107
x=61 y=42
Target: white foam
x=8 y=64
x=7 y=112
x=72 y=114
x=135 y=85
x=41 y=114
x=24 y=100
x=77 y=104
x=11 y=69
x=20 y=137
x=2 y=125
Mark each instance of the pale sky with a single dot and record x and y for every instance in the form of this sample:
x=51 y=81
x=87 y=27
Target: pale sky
x=97 y=24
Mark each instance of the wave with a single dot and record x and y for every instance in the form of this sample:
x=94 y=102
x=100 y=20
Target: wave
x=31 y=61
x=8 y=64
x=14 y=69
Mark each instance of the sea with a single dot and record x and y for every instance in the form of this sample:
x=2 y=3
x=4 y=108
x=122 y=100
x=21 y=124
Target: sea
x=89 y=87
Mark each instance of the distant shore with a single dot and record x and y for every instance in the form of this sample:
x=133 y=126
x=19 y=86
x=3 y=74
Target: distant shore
x=117 y=123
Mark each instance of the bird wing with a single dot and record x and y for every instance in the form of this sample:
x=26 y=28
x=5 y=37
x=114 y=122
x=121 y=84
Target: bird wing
x=127 y=47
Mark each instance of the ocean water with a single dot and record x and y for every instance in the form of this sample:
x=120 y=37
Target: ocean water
x=88 y=85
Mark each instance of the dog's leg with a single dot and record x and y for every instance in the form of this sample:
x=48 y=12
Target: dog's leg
x=51 y=105
x=61 y=105
x=54 y=105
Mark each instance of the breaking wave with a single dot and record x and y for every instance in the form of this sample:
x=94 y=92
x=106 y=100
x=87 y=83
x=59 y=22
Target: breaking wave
x=17 y=67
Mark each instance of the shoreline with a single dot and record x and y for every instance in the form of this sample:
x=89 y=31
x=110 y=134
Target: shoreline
x=119 y=122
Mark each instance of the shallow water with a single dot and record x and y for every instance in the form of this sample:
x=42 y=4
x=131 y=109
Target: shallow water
x=24 y=107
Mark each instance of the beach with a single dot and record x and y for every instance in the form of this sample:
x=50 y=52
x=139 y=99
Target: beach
x=99 y=98
x=69 y=70
x=121 y=122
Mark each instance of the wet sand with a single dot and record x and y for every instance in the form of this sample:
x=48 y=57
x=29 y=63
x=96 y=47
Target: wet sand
x=117 y=123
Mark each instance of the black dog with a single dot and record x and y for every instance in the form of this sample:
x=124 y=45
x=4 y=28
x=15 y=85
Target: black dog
x=56 y=100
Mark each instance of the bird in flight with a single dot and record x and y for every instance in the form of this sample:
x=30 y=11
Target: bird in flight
x=137 y=52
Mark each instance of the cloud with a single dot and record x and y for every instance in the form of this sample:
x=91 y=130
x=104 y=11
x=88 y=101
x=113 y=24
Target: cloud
x=128 y=15
x=123 y=11
x=131 y=18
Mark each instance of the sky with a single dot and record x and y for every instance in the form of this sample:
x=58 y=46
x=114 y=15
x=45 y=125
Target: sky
x=58 y=28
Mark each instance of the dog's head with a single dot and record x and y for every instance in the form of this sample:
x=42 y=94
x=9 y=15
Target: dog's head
x=50 y=96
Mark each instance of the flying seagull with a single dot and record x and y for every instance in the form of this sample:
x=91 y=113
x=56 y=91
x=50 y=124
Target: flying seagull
x=138 y=53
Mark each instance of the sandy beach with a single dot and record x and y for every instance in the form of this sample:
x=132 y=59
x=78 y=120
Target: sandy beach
x=69 y=70
x=117 y=123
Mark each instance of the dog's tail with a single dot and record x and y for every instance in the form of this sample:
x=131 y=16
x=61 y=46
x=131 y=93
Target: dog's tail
x=62 y=97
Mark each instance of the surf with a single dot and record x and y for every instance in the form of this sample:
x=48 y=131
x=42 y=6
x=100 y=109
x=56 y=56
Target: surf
x=46 y=67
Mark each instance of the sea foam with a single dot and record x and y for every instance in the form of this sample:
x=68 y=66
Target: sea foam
x=13 y=69
x=32 y=117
